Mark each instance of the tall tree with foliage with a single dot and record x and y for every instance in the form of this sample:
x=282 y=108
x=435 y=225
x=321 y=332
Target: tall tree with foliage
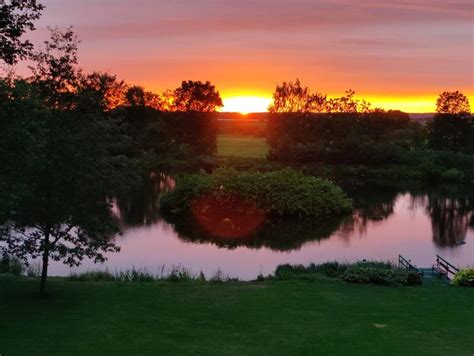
x=350 y=104
x=56 y=72
x=137 y=96
x=293 y=97
x=197 y=96
x=452 y=128
x=296 y=98
x=16 y=19
x=453 y=102
x=61 y=177
x=104 y=87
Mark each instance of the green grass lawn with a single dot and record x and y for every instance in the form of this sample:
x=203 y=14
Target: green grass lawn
x=272 y=318
x=241 y=146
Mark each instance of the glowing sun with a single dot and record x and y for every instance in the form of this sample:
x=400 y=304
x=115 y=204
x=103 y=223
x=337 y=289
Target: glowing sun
x=246 y=104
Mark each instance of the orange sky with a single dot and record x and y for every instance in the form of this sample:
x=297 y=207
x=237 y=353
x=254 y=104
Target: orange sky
x=397 y=53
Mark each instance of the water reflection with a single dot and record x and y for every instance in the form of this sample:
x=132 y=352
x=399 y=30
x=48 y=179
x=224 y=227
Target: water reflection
x=450 y=209
x=449 y=221
x=451 y=212
x=142 y=206
x=275 y=234
x=370 y=205
x=416 y=222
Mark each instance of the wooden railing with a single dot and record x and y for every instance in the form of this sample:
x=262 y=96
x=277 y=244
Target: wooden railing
x=403 y=262
x=444 y=268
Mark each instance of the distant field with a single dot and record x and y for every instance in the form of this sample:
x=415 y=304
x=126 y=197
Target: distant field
x=241 y=146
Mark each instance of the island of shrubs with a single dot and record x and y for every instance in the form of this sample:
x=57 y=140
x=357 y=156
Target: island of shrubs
x=284 y=192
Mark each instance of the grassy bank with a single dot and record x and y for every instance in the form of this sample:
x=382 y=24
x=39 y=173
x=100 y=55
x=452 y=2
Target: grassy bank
x=281 y=318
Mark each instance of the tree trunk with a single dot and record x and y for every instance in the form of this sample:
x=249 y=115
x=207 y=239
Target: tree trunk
x=44 y=270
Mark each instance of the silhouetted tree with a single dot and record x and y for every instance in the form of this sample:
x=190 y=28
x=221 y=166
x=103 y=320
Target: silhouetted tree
x=452 y=103
x=135 y=96
x=16 y=19
x=349 y=104
x=154 y=101
x=452 y=132
x=290 y=97
x=317 y=103
x=56 y=71
x=61 y=173
x=197 y=97
x=167 y=101
x=104 y=87
x=452 y=128
x=293 y=97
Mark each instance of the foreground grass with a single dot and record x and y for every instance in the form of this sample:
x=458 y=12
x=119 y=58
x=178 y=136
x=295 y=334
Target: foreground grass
x=241 y=146
x=280 y=318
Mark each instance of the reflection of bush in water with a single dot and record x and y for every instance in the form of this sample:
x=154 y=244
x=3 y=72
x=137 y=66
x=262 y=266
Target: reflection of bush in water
x=450 y=208
x=282 y=234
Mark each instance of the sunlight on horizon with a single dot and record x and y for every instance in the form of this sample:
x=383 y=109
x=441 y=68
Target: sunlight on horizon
x=246 y=104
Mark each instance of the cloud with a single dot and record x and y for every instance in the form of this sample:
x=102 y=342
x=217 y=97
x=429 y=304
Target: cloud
x=376 y=45
x=151 y=18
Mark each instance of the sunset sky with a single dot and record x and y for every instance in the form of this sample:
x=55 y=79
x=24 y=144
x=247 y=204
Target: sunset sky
x=397 y=53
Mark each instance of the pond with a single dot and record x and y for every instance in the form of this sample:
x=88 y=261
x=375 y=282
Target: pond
x=416 y=223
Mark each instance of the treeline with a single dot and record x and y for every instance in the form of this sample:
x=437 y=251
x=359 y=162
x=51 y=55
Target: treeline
x=370 y=139
x=308 y=127
x=339 y=138
x=169 y=136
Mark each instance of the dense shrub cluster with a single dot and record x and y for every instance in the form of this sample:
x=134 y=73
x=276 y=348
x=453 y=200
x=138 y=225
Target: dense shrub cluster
x=452 y=132
x=464 y=278
x=329 y=269
x=383 y=273
x=168 y=133
x=195 y=129
x=285 y=192
x=354 y=138
x=383 y=276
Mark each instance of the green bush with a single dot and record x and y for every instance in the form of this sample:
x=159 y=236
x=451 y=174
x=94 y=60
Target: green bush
x=464 y=278
x=190 y=187
x=284 y=192
x=329 y=269
x=382 y=276
x=365 y=272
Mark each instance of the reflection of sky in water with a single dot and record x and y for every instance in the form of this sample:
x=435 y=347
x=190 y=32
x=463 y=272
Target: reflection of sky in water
x=402 y=228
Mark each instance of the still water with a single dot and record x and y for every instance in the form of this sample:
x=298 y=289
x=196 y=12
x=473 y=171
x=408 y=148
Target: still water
x=417 y=223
